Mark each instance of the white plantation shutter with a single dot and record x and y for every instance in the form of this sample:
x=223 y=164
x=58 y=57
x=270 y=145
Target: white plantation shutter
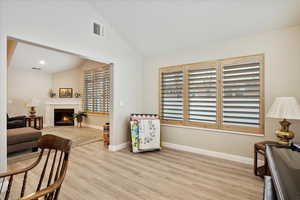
x=97 y=91
x=171 y=93
x=102 y=90
x=88 y=91
x=242 y=95
x=202 y=94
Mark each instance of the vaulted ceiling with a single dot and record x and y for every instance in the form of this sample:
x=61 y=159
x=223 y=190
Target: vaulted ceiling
x=161 y=26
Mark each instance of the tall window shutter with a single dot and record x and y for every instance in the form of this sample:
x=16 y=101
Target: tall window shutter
x=202 y=93
x=242 y=94
x=107 y=91
x=97 y=91
x=171 y=93
x=88 y=92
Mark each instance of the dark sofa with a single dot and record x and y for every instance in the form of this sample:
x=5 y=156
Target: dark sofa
x=16 y=122
x=19 y=139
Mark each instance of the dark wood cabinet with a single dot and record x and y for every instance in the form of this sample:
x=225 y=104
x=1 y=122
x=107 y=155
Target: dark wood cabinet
x=35 y=122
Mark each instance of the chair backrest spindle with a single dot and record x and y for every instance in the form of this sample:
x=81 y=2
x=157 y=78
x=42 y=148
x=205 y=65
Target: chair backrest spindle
x=2 y=184
x=24 y=184
x=9 y=187
x=43 y=172
x=52 y=169
x=58 y=166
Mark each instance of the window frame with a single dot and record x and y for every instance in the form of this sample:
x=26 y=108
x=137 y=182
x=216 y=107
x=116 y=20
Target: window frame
x=106 y=67
x=219 y=64
x=161 y=71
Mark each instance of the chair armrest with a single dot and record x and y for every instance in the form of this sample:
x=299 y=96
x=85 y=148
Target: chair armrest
x=20 y=171
x=15 y=172
x=45 y=191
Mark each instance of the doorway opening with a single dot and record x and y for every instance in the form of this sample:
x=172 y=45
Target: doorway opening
x=72 y=94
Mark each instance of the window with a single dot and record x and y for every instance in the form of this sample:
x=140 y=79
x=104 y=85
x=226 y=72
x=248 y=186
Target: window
x=202 y=94
x=223 y=94
x=97 y=90
x=172 y=94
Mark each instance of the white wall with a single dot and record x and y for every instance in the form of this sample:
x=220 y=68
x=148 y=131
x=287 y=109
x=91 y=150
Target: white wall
x=2 y=91
x=282 y=78
x=67 y=79
x=24 y=85
x=67 y=25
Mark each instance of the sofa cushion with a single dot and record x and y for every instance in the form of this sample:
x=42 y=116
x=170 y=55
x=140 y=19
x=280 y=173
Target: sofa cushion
x=20 y=135
x=21 y=146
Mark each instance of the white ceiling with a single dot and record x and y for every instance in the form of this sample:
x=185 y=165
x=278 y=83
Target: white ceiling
x=161 y=26
x=27 y=56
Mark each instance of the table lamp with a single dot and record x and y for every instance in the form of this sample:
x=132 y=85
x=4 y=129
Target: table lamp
x=284 y=108
x=32 y=105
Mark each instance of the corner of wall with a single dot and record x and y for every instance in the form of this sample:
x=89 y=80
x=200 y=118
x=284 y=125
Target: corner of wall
x=3 y=91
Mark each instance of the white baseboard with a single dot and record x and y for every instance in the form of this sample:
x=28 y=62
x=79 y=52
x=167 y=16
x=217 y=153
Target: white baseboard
x=216 y=154
x=5 y=185
x=118 y=147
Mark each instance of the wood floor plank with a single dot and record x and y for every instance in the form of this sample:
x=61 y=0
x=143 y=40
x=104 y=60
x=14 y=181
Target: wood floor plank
x=95 y=173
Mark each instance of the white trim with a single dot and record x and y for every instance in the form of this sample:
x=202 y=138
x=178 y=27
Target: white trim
x=3 y=90
x=5 y=186
x=216 y=131
x=236 y=158
x=118 y=147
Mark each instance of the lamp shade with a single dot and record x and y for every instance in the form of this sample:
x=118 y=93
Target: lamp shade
x=33 y=103
x=284 y=108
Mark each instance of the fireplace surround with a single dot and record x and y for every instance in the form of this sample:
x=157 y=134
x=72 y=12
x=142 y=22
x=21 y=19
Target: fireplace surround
x=54 y=104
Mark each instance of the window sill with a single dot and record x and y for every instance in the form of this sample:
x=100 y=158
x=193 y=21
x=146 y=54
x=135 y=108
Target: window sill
x=98 y=114
x=216 y=131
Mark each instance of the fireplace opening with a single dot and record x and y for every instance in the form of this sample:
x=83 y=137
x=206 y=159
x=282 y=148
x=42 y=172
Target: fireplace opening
x=63 y=117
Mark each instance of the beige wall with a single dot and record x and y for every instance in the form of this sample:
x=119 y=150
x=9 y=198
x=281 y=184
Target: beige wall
x=66 y=79
x=22 y=86
x=96 y=120
x=282 y=78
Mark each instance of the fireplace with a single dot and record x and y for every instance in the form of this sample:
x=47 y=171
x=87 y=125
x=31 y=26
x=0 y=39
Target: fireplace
x=63 y=117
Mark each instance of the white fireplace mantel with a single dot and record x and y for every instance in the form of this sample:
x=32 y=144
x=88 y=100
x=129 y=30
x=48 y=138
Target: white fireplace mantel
x=52 y=104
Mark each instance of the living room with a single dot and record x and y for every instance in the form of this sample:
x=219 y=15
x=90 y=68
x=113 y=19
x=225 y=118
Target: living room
x=220 y=78
x=52 y=91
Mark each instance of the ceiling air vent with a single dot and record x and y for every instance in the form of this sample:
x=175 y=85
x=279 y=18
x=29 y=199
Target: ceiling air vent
x=36 y=68
x=98 y=29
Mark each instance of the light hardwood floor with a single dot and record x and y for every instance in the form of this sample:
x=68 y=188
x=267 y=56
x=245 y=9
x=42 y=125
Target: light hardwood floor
x=95 y=173
x=79 y=136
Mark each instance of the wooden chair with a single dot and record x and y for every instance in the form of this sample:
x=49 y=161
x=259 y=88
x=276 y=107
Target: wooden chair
x=55 y=148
